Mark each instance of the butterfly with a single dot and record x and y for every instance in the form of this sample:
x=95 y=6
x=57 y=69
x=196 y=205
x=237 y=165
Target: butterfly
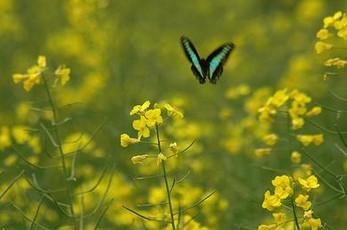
x=210 y=68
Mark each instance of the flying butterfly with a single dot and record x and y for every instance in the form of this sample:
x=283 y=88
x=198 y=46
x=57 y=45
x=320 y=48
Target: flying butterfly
x=210 y=68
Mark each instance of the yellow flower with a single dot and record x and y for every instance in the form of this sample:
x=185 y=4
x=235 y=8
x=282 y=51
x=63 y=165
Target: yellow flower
x=279 y=98
x=342 y=33
x=308 y=139
x=310 y=222
x=172 y=112
x=125 y=140
x=308 y=214
x=297 y=123
x=140 y=108
x=270 y=139
x=300 y=98
x=295 y=157
x=305 y=139
x=153 y=117
x=318 y=139
x=271 y=201
x=310 y=183
x=323 y=34
x=314 y=223
x=161 y=157
x=173 y=147
x=33 y=75
x=267 y=227
x=20 y=134
x=314 y=111
x=41 y=61
x=339 y=63
x=303 y=202
x=262 y=152
x=5 y=138
x=63 y=74
x=279 y=217
x=140 y=126
x=282 y=186
x=139 y=159
x=330 y=21
x=322 y=46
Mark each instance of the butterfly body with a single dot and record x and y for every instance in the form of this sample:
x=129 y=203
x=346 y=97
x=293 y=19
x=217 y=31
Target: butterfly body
x=210 y=68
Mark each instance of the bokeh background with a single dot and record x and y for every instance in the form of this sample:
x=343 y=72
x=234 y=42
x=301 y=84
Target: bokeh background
x=122 y=53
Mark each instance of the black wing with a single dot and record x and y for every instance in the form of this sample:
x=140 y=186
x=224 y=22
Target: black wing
x=217 y=59
x=194 y=58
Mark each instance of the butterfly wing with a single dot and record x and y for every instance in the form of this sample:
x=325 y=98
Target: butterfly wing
x=217 y=59
x=194 y=58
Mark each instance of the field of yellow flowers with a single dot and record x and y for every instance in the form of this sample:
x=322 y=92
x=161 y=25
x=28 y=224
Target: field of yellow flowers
x=104 y=126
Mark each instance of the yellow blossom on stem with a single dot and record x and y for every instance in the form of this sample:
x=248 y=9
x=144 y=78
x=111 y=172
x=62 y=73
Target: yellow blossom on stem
x=270 y=139
x=313 y=223
x=5 y=138
x=283 y=187
x=139 y=159
x=295 y=157
x=323 y=34
x=140 y=126
x=342 y=33
x=161 y=157
x=297 y=123
x=126 y=140
x=138 y=109
x=337 y=62
x=330 y=21
x=63 y=74
x=314 y=111
x=173 y=147
x=320 y=47
x=303 y=202
x=173 y=112
x=33 y=75
x=318 y=139
x=271 y=201
x=153 y=117
x=279 y=217
x=261 y=152
x=309 y=183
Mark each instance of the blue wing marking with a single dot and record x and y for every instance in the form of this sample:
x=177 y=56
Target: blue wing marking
x=219 y=59
x=195 y=60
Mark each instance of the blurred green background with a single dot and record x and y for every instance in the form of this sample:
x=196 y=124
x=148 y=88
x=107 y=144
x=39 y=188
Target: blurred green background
x=122 y=53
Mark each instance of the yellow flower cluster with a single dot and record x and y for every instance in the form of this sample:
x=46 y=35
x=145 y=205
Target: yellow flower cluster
x=19 y=135
x=334 y=26
x=33 y=76
x=297 y=108
x=149 y=118
x=294 y=103
x=284 y=187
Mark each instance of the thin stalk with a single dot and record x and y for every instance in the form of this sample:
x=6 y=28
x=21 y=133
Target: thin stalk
x=60 y=148
x=166 y=181
x=295 y=216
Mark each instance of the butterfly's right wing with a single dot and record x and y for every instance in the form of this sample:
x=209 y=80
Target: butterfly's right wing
x=194 y=58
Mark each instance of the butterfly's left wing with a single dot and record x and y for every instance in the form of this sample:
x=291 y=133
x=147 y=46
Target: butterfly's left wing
x=216 y=61
x=194 y=58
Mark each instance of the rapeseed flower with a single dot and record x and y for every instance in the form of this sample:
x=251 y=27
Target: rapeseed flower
x=141 y=126
x=309 y=183
x=303 y=202
x=33 y=75
x=126 y=140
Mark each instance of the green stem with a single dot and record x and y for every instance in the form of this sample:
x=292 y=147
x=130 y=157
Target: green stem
x=295 y=216
x=166 y=181
x=60 y=148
